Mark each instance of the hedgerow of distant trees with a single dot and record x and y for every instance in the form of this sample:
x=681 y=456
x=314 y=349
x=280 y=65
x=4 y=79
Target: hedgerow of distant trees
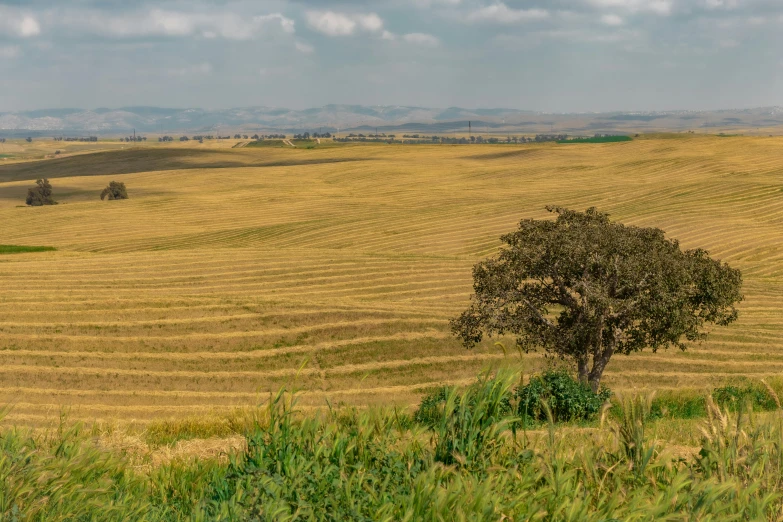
x=387 y=138
x=115 y=190
x=40 y=195
x=81 y=138
x=307 y=135
x=423 y=138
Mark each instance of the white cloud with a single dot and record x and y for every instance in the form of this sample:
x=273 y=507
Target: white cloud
x=304 y=48
x=29 y=27
x=661 y=7
x=421 y=39
x=430 y=3
x=167 y=23
x=502 y=14
x=370 y=22
x=286 y=24
x=612 y=20
x=331 y=23
x=721 y=4
x=17 y=23
x=160 y=22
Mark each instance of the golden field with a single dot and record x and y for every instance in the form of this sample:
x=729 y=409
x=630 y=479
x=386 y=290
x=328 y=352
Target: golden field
x=233 y=272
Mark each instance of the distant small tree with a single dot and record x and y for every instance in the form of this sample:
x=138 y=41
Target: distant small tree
x=40 y=195
x=29 y=140
x=584 y=288
x=115 y=190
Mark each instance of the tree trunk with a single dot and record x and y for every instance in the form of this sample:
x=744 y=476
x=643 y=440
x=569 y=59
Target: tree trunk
x=581 y=367
x=600 y=360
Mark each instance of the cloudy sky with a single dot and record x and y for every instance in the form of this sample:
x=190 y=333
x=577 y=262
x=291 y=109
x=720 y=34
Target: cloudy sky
x=549 y=55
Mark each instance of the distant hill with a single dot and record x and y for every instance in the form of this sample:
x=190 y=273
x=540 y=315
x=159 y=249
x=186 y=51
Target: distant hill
x=389 y=118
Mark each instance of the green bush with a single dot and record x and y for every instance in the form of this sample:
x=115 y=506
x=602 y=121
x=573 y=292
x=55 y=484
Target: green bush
x=736 y=396
x=566 y=398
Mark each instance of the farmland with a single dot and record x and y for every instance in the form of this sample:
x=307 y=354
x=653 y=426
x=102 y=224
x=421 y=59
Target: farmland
x=232 y=272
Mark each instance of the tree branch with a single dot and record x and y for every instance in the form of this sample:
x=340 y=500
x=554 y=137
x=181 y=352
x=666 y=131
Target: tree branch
x=538 y=313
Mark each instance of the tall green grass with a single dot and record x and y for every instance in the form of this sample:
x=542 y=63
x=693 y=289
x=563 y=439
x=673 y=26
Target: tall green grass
x=471 y=463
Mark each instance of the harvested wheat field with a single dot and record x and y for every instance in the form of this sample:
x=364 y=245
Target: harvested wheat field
x=233 y=272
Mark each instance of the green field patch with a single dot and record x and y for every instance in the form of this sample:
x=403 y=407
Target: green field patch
x=3 y=156
x=21 y=249
x=601 y=139
x=266 y=144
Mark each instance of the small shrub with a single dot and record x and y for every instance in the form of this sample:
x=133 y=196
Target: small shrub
x=431 y=407
x=40 y=195
x=735 y=396
x=565 y=397
x=678 y=405
x=115 y=190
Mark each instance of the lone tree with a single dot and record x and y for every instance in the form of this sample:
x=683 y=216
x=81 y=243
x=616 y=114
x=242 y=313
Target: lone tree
x=585 y=288
x=41 y=194
x=115 y=190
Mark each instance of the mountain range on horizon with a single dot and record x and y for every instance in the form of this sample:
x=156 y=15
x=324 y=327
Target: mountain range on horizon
x=387 y=118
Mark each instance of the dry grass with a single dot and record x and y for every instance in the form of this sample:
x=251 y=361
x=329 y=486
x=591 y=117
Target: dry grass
x=224 y=274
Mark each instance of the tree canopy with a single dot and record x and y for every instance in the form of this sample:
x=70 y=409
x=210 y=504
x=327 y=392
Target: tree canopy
x=115 y=190
x=585 y=288
x=41 y=194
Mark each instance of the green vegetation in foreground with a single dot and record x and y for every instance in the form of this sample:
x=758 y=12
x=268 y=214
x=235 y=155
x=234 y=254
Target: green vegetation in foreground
x=474 y=462
x=601 y=139
x=21 y=249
